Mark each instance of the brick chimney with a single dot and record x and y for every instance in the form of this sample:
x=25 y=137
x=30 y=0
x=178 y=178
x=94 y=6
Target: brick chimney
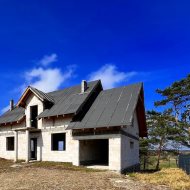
x=11 y=105
x=83 y=86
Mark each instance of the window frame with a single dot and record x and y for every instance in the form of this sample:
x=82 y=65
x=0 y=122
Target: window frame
x=12 y=146
x=55 y=147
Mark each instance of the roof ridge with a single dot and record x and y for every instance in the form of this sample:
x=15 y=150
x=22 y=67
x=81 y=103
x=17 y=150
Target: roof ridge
x=126 y=86
x=71 y=87
x=43 y=94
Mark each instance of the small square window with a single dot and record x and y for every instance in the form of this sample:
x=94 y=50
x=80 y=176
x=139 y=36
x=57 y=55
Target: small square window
x=58 y=142
x=10 y=143
x=131 y=144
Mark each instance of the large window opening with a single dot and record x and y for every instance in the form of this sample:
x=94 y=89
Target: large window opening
x=10 y=143
x=58 y=141
x=33 y=116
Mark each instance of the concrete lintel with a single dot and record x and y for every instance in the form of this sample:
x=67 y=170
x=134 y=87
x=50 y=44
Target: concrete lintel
x=31 y=129
x=91 y=137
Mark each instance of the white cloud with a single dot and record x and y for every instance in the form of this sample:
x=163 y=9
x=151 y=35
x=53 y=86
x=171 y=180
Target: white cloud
x=48 y=79
x=110 y=76
x=48 y=59
x=5 y=109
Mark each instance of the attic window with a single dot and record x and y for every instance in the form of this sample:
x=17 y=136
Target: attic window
x=58 y=142
x=131 y=145
x=10 y=143
x=33 y=116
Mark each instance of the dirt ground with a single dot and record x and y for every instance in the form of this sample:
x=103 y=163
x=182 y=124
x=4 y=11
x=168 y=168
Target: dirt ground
x=56 y=177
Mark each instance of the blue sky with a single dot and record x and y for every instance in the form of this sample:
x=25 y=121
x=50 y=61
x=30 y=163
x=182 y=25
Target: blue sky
x=53 y=44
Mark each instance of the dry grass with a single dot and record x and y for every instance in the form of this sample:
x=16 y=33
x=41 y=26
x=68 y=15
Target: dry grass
x=175 y=178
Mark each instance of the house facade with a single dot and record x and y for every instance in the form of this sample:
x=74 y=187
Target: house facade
x=83 y=124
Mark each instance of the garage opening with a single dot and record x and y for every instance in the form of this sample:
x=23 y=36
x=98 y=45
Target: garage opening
x=94 y=152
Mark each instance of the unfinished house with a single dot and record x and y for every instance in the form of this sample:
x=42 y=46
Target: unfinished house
x=83 y=124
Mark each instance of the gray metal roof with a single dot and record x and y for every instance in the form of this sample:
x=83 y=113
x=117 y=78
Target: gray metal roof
x=12 y=116
x=66 y=101
x=69 y=100
x=113 y=107
x=42 y=95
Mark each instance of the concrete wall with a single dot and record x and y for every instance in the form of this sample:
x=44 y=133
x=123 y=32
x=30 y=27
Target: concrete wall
x=130 y=156
x=33 y=101
x=8 y=131
x=50 y=127
x=44 y=151
x=115 y=153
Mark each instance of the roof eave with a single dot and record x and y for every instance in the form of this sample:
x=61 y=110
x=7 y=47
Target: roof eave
x=12 y=122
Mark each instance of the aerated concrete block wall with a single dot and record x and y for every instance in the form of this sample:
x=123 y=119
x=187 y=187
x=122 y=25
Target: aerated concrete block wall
x=130 y=155
x=115 y=153
x=8 y=131
x=33 y=101
x=58 y=126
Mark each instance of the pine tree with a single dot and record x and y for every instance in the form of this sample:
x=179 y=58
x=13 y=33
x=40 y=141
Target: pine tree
x=160 y=130
x=177 y=99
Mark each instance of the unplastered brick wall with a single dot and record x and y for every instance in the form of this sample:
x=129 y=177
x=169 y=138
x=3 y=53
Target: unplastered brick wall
x=130 y=154
x=55 y=122
x=115 y=153
x=8 y=131
x=50 y=155
x=33 y=101
x=51 y=126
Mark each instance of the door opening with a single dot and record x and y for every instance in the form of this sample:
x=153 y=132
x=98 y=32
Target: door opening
x=33 y=148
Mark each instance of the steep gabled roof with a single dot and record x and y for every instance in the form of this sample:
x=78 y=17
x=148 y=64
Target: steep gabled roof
x=95 y=108
x=69 y=100
x=113 y=107
x=41 y=95
x=66 y=101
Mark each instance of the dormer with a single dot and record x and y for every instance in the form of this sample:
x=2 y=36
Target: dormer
x=35 y=102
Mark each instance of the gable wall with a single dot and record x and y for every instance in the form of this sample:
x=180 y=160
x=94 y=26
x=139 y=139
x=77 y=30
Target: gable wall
x=130 y=157
x=32 y=101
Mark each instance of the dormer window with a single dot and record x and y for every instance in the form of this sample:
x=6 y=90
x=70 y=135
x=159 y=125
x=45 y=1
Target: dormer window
x=33 y=116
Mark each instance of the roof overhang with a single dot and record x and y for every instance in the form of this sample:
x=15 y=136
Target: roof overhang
x=13 y=122
x=25 y=95
x=140 y=110
x=29 y=90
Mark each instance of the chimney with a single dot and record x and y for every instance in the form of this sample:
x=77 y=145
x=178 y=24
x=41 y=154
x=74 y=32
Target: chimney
x=83 y=86
x=11 y=105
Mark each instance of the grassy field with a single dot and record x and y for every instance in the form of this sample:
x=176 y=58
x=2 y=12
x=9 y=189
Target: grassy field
x=58 y=176
x=169 y=174
x=175 y=178
x=164 y=163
